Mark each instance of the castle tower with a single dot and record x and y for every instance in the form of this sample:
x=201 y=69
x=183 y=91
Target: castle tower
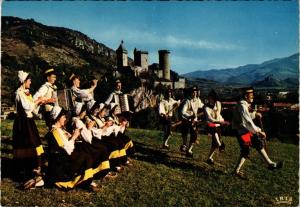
x=164 y=63
x=141 y=59
x=122 y=57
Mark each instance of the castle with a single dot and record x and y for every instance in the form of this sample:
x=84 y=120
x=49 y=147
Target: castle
x=161 y=71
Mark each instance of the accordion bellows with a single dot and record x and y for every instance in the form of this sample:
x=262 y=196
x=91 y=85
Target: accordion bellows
x=122 y=100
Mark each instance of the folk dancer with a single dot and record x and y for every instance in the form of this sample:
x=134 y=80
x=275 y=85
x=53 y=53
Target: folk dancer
x=214 y=122
x=118 y=121
x=90 y=143
x=82 y=95
x=26 y=139
x=166 y=109
x=48 y=90
x=190 y=119
x=248 y=134
x=69 y=164
x=104 y=128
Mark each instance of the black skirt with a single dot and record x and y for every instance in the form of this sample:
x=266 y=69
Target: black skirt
x=26 y=138
x=128 y=144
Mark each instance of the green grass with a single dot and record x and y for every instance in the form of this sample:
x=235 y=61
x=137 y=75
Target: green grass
x=167 y=178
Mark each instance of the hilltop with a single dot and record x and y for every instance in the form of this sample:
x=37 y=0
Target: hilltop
x=31 y=46
x=283 y=71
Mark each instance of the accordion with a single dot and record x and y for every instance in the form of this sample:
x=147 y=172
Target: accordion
x=122 y=100
x=65 y=99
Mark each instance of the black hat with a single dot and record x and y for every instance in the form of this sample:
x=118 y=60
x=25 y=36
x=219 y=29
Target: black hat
x=247 y=90
x=194 y=88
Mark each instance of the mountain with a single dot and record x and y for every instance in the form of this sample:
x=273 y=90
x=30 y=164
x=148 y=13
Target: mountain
x=31 y=46
x=269 y=81
x=280 y=69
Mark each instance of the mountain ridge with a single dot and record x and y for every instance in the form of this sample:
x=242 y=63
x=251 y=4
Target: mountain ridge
x=33 y=47
x=280 y=68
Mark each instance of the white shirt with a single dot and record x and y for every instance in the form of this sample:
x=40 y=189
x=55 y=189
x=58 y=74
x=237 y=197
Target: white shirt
x=68 y=145
x=191 y=107
x=214 y=114
x=85 y=133
x=100 y=131
x=242 y=118
x=166 y=106
x=112 y=97
x=49 y=91
x=83 y=94
x=27 y=102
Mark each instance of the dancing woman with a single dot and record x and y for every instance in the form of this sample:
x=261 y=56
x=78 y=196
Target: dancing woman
x=26 y=139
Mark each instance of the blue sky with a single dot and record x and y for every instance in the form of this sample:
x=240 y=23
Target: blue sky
x=200 y=35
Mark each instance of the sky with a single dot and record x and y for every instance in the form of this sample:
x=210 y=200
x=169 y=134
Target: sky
x=200 y=35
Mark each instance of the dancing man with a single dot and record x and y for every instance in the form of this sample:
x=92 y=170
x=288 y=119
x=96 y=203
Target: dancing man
x=214 y=121
x=166 y=108
x=48 y=90
x=248 y=134
x=189 y=120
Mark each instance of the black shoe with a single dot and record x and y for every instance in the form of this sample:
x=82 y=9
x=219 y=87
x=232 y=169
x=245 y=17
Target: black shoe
x=189 y=154
x=278 y=165
x=183 y=148
x=210 y=162
x=166 y=147
x=222 y=147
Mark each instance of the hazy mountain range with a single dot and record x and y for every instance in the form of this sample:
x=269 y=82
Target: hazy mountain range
x=277 y=72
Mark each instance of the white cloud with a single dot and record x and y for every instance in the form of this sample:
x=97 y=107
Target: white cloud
x=200 y=44
x=145 y=38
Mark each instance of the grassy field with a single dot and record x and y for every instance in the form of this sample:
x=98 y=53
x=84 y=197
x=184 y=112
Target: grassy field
x=168 y=178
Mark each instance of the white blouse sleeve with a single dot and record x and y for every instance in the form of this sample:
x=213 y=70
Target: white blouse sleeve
x=85 y=133
x=82 y=93
x=201 y=105
x=97 y=133
x=184 y=110
x=248 y=122
x=109 y=99
x=68 y=145
x=28 y=105
x=161 y=109
x=208 y=116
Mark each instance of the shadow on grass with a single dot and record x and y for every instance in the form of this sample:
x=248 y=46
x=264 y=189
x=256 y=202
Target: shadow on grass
x=16 y=170
x=158 y=156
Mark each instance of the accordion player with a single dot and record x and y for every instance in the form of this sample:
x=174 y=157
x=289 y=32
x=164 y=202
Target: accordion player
x=123 y=100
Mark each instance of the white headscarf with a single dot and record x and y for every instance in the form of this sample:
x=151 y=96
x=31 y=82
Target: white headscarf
x=22 y=76
x=78 y=107
x=102 y=105
x=90 y=104
x=55 y=112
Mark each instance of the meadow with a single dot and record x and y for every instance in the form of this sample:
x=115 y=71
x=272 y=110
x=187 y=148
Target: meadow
x=167 y=178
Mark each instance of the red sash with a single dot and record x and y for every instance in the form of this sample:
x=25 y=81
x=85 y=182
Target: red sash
x=247 y=137
x=211 y=124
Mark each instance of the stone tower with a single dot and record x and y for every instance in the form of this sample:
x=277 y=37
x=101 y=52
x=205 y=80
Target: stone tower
x=141 y=59
x=122 y=56
x=164 y=63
